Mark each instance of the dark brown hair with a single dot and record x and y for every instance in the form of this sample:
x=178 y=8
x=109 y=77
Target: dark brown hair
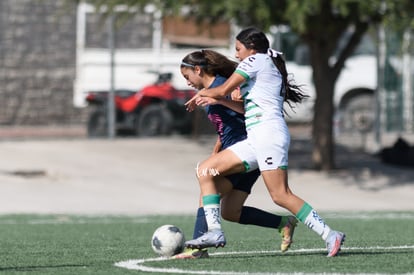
x=255 y=39
x=212 y=62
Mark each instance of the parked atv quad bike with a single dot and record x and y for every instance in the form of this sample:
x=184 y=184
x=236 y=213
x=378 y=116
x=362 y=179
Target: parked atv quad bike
x=155 y=110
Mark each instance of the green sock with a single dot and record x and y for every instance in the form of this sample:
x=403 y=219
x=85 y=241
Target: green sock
x=283 y=222
x=304 y=212
x=211 y=199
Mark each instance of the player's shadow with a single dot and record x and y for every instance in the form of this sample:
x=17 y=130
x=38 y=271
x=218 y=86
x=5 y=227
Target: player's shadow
x=37 y=268
x=353 y=165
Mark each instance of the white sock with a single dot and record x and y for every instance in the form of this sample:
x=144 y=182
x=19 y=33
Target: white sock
x=212 y=212
x=317 y=224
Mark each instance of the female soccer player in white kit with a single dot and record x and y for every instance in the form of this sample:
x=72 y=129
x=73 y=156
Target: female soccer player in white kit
x=208 y=69
x=263 y=80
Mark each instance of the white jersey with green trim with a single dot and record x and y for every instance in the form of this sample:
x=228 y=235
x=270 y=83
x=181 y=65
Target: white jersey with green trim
x=262 y=92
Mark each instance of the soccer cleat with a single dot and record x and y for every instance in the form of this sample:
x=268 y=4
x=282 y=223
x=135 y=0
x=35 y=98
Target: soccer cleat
x=333 y=242
x=213 y=238
x=190 y=253
x=287 y=233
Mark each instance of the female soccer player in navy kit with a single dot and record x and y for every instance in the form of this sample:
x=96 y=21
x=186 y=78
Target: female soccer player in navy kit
x=208 y=69
x=264 y=84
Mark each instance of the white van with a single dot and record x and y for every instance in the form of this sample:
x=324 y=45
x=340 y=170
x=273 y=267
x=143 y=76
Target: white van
x=354 y=90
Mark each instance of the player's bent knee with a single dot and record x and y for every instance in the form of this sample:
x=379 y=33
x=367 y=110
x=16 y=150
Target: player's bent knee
x=230 y=215
x=280 y=198
x=230 y=218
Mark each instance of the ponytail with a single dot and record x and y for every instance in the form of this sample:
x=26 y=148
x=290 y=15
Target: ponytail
x=293 y=93
x=253 y=38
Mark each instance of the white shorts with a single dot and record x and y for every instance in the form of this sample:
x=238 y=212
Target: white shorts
x=266 y=147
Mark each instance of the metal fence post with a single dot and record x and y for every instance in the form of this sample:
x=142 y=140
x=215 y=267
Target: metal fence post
x=111 y=95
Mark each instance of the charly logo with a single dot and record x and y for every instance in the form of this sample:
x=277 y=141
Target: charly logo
x=269 y=160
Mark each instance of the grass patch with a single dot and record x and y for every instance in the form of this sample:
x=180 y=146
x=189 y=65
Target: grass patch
x=65 y=244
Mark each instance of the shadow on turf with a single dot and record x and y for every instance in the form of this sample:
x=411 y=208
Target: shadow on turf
x=352 y=164
x=36 y=268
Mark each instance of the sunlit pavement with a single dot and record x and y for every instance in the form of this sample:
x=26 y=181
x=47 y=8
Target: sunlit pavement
x=61 y=174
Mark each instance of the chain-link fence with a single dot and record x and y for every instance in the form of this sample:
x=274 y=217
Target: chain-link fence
x=396 y=90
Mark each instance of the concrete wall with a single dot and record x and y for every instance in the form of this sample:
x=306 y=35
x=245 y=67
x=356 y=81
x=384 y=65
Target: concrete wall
x=37 y=63
x=41 y=68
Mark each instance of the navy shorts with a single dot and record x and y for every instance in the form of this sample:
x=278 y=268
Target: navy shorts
x=244 y=181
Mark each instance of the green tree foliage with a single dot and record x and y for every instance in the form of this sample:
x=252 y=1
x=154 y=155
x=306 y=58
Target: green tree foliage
x=319 y=23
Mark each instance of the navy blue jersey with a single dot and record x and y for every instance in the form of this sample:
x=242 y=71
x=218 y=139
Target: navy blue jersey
x=229 y=124
x=231 y=128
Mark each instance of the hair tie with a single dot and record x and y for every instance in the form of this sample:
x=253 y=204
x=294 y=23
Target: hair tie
x=273 y=53
x=185 y=64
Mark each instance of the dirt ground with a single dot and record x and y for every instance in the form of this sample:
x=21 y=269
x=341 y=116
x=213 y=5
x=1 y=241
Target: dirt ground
x=75 y=175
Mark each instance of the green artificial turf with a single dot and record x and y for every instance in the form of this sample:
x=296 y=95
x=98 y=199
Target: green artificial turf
x=380 y=243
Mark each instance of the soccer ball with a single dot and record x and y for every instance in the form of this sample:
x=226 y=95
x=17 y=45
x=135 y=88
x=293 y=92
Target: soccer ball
x=168 y=240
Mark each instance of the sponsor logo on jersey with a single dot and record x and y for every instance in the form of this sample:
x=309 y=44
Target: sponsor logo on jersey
x=269 y=160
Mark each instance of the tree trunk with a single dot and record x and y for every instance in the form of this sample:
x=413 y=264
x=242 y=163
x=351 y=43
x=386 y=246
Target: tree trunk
x=323 y=142
x=323 y=45
x=324 y=77
x=324 y=146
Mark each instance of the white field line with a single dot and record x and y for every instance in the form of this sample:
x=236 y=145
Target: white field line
x=68 y=219
x=139 y=264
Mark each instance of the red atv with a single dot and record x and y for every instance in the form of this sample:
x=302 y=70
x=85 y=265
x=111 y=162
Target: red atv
x=155 y=110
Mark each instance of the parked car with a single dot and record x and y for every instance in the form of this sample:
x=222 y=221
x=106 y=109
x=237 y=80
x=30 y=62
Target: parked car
x=155 y=110
x=354 y=95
